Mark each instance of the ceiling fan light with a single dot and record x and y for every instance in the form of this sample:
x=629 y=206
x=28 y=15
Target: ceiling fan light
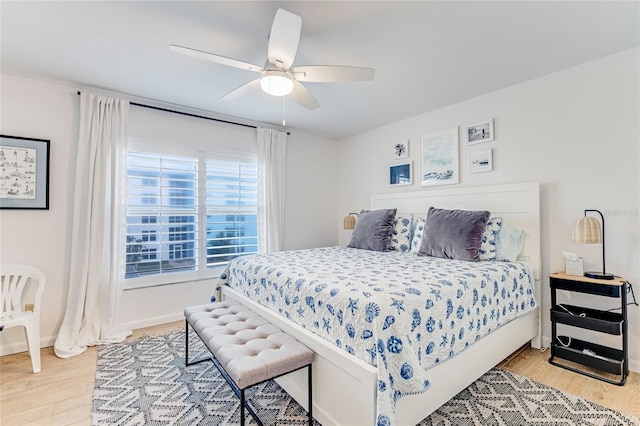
x=276 y=83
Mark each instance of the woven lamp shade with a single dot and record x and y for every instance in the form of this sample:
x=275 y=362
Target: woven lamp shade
x=349 y=222
x=586 y=230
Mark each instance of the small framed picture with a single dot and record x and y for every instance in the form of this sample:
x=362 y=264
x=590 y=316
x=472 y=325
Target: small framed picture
x=401 y=149
x=480 y=132
x=24 y=173
x=481 y=161
x=400 y=174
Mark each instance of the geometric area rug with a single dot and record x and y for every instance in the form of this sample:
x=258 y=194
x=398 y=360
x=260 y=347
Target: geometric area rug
x=503 y=398
x=145 y=382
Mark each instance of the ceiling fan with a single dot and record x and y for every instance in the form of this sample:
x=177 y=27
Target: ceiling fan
x=278 y=77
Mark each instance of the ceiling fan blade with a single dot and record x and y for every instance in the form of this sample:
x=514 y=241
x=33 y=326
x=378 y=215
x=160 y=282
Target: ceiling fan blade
x=303 y=96
x=284 y=38
x=242 y=90
x=332 y=73
x=215 y=58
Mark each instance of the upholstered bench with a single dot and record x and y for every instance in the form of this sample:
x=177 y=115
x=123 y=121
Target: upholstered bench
x=246 y=348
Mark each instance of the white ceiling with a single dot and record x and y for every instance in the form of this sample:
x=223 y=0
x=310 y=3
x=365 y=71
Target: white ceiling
x=426 y=54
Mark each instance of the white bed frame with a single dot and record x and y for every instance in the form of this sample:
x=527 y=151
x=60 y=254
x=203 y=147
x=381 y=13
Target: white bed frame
x=344 y=387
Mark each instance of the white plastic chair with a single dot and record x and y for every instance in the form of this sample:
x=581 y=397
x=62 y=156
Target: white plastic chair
x=15 y=280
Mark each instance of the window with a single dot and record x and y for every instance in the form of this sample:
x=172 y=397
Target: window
x=232 y=206
x=187 y=214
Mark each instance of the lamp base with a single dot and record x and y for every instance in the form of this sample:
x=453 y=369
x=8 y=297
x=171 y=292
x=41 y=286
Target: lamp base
x=599 y=275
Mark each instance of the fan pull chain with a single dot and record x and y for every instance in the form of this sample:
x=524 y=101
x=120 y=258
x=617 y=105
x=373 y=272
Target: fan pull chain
x=283 y=112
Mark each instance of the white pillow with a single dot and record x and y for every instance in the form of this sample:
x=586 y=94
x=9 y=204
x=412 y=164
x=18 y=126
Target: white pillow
x=509 y=243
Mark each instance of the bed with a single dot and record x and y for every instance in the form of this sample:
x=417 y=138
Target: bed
x=388 y=349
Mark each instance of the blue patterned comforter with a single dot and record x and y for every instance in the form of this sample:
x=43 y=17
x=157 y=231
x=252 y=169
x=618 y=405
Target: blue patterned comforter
x=402 y=313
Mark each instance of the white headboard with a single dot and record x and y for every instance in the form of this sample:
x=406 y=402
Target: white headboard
x=518 y=205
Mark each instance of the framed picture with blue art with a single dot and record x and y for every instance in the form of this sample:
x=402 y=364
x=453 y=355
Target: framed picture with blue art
x=481 y=161
x=400 y=174
x=24 y=173
x=439 y=158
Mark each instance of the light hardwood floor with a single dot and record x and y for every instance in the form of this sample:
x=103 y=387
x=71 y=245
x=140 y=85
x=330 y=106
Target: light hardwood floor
x=61 y=393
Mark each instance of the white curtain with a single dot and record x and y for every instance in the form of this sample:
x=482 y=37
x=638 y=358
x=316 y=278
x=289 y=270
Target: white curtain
x=272 y=148
x=98 y=232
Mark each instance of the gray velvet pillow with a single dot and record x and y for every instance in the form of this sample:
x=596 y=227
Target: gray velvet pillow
x=373 y=230
x=453 y=234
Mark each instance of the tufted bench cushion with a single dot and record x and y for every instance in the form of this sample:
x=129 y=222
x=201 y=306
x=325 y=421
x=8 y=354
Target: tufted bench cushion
x=248 y=347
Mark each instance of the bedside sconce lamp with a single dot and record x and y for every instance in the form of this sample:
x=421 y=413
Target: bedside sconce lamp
x=350 y=221
x=586 y=230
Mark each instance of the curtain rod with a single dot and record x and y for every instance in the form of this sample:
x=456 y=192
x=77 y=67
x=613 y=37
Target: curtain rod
x=192 y=115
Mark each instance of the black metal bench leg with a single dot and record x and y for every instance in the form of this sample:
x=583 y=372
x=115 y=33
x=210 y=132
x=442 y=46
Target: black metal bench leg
x=186 y=342
x=186 y=347
x=242 y=402
x=310 y=410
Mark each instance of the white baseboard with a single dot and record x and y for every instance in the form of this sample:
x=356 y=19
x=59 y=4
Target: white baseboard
x=45 y=342
x=15 y=348
x=150 y=322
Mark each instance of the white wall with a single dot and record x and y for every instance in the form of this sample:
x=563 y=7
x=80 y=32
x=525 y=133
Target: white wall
x=38 y=109
x=312 y=202
x=576 y=132
x=31 y=108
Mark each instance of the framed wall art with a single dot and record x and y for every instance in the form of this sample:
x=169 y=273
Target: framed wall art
x=24 y=173
x=480 y=132
x=401 y=149
x=481 y=161
x=439 y=157
x=400 y=174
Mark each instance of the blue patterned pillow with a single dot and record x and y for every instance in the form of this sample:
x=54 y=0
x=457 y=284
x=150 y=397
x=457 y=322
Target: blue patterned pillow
x=489 y=239
x=401 y=235
x=418 y=230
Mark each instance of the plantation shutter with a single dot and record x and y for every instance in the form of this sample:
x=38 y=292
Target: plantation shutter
x=232 y=207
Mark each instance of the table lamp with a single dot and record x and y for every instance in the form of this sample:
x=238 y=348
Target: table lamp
x=350 y=221
x=587 y=230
